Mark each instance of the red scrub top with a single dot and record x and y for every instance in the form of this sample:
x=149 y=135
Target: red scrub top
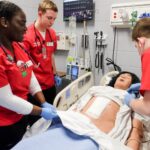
x=145 y=81
x=34 y=42
x=17 y=73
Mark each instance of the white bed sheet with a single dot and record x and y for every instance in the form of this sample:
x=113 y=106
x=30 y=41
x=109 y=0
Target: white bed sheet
x=81 y=124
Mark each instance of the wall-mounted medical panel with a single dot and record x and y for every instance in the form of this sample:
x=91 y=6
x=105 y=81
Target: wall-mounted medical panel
x=62 y=41
x=126 y=14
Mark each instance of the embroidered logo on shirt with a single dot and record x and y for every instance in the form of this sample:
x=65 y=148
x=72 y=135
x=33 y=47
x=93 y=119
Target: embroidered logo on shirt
x=23 y=66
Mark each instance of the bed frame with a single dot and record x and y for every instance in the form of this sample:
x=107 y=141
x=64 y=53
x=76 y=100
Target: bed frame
x=70 y=94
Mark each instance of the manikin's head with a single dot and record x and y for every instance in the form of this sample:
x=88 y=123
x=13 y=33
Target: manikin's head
x=141 y=35
x=47 y=13
x=12 y=21
x=123 y=80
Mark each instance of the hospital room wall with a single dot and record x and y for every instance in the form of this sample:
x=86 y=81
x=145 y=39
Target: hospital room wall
x=126 y=55
x=29 y=7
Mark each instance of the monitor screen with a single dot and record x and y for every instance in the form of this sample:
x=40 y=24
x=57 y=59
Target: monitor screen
x=74 y=72
x=82 y=9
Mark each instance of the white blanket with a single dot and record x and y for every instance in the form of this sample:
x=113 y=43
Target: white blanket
x=81 y=125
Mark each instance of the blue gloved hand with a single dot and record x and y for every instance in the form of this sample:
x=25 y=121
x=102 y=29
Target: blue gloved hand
x=47 y=105
x=58 y=80
x=48 y=113
x=128 y=98
x=134 y=89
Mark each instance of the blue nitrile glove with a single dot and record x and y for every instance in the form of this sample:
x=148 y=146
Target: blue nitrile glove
x=48 y=114
x=134 y=89
x=128 y=98
x=58 y=80
x=47 y=105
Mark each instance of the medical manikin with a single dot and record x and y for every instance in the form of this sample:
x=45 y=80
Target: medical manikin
x=101 y=115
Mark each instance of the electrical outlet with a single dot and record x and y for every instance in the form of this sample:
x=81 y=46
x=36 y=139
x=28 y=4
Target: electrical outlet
x=126 y=15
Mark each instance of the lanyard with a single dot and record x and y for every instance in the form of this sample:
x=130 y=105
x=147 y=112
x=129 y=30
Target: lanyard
x=37 y=38
x=42 y=43
x=9 y=57
x=36 y=65
x=21 y=67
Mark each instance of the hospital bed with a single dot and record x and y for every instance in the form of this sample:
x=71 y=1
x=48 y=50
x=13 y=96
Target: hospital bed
x=69 y=95
x=63 y=101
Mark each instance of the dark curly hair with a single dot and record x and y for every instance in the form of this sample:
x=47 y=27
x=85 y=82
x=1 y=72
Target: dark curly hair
x=8 y=9
x=135 y=78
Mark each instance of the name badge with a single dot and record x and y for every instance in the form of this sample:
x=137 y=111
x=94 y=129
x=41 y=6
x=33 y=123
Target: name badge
x=49 y=44
x=29 y=63
x=36 y=44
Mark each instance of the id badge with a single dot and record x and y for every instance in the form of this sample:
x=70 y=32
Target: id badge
x=50 y=44
x=44 y=52
x=29 y=63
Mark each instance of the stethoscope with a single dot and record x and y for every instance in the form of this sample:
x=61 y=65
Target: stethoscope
x=9 y=57
x=13 y=59
x=37 y=38
x=36 y=65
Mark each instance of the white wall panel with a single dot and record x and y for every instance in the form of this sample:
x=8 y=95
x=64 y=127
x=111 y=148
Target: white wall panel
x=29 y=7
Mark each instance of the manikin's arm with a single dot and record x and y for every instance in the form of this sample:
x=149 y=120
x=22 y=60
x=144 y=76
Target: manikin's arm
x=142 y=106
x=136 y=135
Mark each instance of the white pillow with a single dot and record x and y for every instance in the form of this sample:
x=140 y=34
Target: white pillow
x=107 y=77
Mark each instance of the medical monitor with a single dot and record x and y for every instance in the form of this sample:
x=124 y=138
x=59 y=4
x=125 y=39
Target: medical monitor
x=74 y=72
x=82 y=9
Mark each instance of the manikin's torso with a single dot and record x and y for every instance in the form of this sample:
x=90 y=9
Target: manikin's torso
x=106 y=120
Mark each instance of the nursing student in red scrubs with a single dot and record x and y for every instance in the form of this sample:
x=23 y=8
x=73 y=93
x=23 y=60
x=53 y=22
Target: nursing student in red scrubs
x=16 y=79
x=41 y=42
x=141 y=36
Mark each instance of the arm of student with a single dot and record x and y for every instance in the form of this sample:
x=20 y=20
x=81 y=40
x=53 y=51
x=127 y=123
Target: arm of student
x=53 y=64
x=15 y=103
x=35 y=89
x=142 y=106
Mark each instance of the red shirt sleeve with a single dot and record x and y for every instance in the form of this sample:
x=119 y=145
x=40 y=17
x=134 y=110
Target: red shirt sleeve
x=27 y=42
x=54 y=38
x=145 y=81
x=29 y=38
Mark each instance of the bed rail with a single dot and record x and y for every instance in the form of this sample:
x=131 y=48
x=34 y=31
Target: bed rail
x=70 y=94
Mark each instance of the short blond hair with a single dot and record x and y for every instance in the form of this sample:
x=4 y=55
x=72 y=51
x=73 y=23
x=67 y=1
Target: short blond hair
x=141 y=29
x=47 y=4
